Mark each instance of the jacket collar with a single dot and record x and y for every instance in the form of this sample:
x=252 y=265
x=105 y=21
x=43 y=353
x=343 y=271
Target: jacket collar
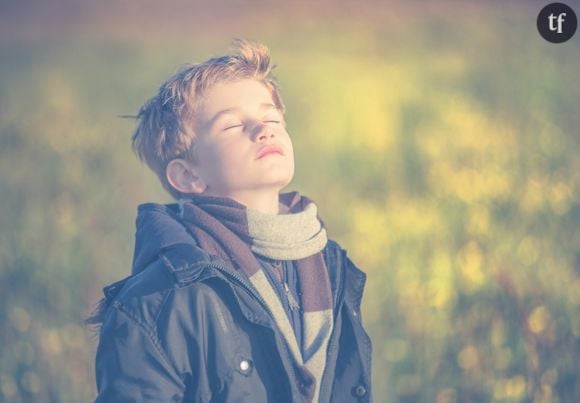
x=161 y=235
x=158 y=229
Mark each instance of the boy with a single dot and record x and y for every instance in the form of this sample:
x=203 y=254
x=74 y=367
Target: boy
x=236 y=294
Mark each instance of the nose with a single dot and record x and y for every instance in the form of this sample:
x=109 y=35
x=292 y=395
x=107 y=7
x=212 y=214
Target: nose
x=262 y=132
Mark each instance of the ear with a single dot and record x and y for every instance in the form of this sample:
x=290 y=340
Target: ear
x=183 y=177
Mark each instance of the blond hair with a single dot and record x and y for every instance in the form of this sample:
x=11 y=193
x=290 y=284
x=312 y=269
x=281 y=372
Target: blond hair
x=166 y=121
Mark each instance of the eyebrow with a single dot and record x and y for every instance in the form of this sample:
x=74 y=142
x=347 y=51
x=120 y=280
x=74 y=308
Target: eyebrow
x=211 y=122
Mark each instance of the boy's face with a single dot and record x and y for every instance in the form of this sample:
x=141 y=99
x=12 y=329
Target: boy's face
x=242 y=146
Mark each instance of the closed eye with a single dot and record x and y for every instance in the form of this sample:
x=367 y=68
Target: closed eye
x=233 y=126
x=272 y=121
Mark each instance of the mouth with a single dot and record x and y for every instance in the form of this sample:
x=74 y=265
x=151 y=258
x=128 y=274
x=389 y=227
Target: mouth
x=269 y=150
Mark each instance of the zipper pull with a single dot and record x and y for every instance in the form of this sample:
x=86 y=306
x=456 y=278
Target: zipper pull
x=294 y=306
x=279 y=271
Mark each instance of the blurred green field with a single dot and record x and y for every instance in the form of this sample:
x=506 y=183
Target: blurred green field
x=443 y=154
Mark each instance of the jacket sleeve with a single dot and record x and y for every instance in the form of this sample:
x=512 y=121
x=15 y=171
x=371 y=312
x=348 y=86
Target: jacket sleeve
x=131 y=366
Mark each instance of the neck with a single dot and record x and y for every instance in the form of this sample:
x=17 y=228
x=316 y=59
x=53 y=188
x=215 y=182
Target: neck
x=267 y=203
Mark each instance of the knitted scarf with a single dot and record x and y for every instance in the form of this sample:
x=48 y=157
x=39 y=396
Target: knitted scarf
x=228 y=229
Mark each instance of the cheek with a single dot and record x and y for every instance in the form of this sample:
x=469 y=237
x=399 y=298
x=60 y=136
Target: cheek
x=216 y=153
x=288 y=142
x=211 y=161
x=225 y=160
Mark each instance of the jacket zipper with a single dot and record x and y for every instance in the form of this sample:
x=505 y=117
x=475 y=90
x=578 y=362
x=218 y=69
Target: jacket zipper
x=240 y=280
x=292 y=303
x=285 y=357
x=294 y=306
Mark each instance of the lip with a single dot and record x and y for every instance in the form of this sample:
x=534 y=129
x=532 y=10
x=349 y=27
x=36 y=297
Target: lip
x=268 y=150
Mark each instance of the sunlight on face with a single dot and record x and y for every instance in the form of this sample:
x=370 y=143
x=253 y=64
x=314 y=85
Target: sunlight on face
x=242 y=145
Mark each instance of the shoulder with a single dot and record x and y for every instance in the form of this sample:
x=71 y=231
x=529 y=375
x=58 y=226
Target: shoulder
x=344 y=273
x=333 y=250
x=157 y=228
x=171 y=280
x=337 y=251
x=336 y=254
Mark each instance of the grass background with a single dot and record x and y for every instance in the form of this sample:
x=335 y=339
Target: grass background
x=439 y=140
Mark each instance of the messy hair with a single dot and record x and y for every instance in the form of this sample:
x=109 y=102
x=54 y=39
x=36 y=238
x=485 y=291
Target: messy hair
x=166 y=121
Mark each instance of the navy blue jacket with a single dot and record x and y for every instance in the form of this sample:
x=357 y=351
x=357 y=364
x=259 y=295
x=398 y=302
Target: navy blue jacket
x=186 y=326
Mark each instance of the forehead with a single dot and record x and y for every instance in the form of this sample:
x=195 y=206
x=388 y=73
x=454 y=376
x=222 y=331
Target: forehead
x=247 y=93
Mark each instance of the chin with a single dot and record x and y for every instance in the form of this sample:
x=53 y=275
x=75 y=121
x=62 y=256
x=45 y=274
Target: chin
x=287 y=179
x=278 y=182
x=278 y=174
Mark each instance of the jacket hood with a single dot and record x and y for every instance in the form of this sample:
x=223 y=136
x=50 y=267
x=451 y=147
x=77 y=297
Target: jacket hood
x=157 y=229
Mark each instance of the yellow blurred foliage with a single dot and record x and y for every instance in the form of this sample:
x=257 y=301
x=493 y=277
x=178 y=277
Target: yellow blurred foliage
x=539 y=319
x=372 y=233
x=479 y=220
x=560 y=197
x=442 y=288
x=395 y=350
x=533 y=197
x=413 y=218
x=513 y=388
x=470 y=260
x=528 y=250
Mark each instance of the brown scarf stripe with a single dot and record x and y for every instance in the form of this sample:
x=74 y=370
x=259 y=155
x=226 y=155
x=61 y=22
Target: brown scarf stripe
x=312 y=282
